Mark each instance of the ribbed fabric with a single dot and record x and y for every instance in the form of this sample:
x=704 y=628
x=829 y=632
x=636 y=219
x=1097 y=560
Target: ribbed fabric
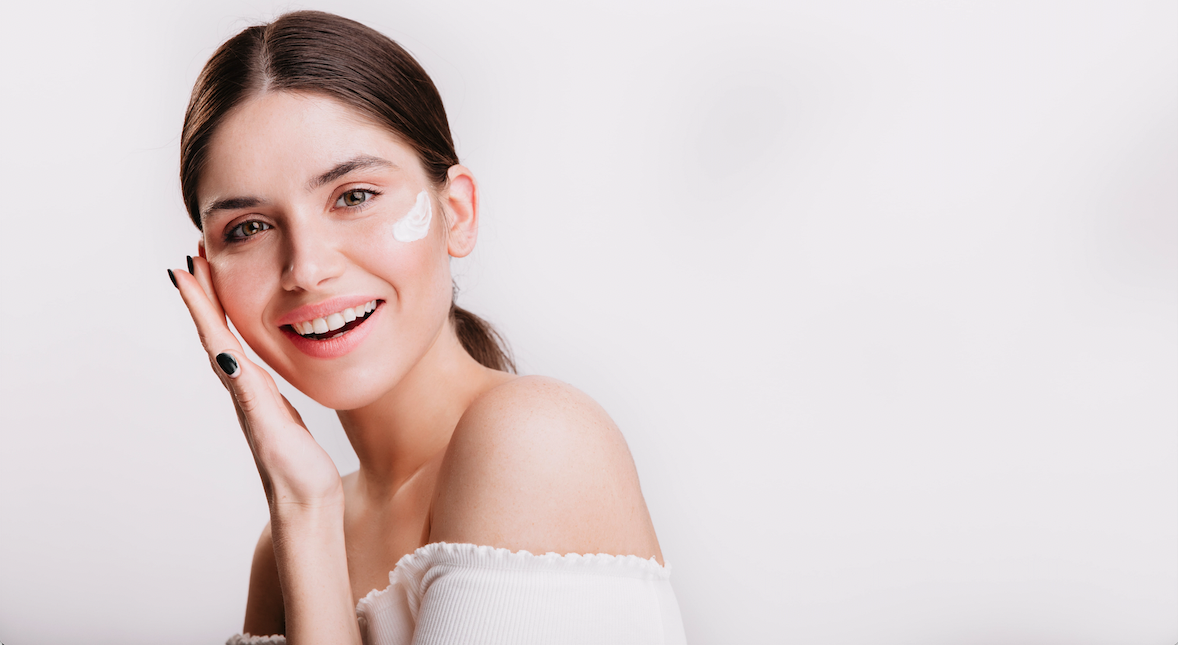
x=246 y=639
x=445 y=594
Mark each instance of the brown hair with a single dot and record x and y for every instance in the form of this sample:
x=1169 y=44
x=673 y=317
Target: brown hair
x=319 y=52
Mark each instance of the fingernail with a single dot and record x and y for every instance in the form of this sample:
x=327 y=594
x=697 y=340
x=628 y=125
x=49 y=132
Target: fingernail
x=228 y=364
x=190 y=264
x=172 y=276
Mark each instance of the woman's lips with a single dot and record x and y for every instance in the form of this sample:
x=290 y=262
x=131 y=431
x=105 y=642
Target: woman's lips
x=323 y=309
x=343 y=341
x=335 y=323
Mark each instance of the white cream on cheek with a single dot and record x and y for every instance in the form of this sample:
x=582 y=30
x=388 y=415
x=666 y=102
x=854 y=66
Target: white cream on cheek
x=415 y=224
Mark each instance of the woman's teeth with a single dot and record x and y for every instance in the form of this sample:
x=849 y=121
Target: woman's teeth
x=332 y=322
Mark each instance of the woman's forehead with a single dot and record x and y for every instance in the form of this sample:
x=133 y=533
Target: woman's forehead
x=292 y=138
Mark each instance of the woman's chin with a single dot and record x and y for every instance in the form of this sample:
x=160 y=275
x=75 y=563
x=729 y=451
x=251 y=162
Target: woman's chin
x=340 y=394
x=344 y=385
x=347 y=382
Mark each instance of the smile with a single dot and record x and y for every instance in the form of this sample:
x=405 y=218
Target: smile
x=335 y=324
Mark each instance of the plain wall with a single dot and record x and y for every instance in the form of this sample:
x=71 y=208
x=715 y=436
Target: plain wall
x=884 y=297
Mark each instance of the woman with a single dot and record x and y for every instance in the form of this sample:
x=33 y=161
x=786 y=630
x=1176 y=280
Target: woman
x=317 y=162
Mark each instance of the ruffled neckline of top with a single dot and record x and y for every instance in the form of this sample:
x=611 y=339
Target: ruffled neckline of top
x=410 y=568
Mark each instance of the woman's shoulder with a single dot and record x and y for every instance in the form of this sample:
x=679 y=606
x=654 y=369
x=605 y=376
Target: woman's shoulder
x=535 y=464
x=518 y=405
x=540 y=426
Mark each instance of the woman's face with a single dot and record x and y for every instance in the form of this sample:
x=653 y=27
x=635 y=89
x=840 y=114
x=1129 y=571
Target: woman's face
x=299 y=201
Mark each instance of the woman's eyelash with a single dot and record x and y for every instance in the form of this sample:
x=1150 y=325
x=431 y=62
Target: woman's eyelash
x=368 y=193
x=239 y=233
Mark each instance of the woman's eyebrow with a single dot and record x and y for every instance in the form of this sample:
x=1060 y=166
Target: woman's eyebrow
x=341 y=169
x=228 y=204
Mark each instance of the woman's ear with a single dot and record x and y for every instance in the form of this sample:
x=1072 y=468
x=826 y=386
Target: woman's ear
x=461 y=199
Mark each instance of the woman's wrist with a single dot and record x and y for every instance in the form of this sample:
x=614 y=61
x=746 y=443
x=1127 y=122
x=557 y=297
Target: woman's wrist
x=287 y=511
x=298 y=502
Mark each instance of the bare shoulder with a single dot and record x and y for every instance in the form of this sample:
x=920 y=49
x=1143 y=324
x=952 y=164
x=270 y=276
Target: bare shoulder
x=264 y=614
x=535 y=464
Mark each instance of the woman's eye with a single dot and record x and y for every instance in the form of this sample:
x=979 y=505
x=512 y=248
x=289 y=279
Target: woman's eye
x=353 y=198
x=248 y=229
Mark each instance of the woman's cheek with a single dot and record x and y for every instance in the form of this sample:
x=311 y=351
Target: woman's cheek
x=243 y=295
x=401 y=264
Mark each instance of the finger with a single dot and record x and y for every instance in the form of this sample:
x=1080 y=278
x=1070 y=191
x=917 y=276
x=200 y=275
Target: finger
x=208 y=317
x=199 y=268
x=260 y=406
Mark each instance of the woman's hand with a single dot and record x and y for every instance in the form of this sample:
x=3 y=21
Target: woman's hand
x=302 y=484
x=296 y=472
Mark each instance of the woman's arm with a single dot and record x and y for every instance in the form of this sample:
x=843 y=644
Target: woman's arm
x=313 y=570
x=302 y=485
x=263 y=607
x=537 y=465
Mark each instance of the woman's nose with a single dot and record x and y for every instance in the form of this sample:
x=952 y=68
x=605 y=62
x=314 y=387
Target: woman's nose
x=311 y=259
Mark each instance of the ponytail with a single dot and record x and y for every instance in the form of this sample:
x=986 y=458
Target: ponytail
x=481 y=341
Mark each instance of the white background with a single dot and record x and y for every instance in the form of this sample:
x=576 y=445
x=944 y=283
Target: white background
x=884 y=297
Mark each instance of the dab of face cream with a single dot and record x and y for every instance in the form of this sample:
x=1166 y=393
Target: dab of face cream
x=415 y=224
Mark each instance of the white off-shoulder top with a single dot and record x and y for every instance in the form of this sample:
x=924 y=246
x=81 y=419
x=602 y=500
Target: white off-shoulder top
x=462 y=593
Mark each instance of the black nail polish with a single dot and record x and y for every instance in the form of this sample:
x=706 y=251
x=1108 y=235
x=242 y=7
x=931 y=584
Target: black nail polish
x=190 y=264
x=173 y=278
x=227 y=363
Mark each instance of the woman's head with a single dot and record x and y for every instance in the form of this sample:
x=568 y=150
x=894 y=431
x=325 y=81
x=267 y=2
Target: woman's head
x=306 y=143
x=321 y=53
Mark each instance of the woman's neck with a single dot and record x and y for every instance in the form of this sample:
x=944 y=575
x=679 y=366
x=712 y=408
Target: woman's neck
x=399 y=433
